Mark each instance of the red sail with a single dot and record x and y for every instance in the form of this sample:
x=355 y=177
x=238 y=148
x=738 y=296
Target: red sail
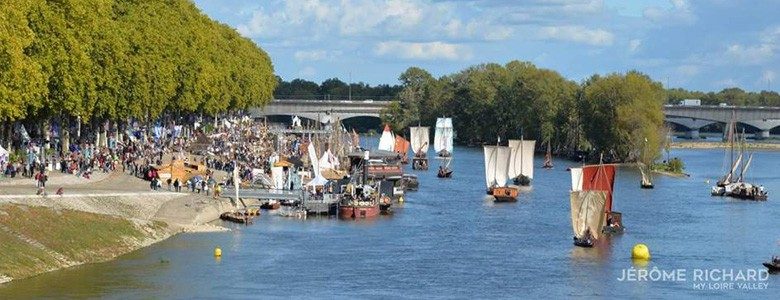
x=401 y=145
x=599 y=178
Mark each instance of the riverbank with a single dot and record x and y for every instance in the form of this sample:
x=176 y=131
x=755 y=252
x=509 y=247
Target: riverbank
x=92 y=222
x=717 y=145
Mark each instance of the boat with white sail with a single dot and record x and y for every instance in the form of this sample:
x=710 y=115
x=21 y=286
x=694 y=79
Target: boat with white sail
x=521 y=167
x=419 y=141
x=442 y=140
x=497 y=162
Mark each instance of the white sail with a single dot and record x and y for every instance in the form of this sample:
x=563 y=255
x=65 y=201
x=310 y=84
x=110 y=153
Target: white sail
x=502 y=165
x=587 y=212
x=576 y=179
x=387 y=141
x=490 y=171
x=522 y=158
x=419 y=139
x=277 y=174
x=328 y=161
x=442 y=139
x=315 y=163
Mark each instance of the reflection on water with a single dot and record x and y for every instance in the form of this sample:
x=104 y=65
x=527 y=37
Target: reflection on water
x=449 y=241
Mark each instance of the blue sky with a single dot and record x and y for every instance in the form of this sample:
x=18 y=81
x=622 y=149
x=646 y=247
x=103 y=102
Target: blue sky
x=704 y=44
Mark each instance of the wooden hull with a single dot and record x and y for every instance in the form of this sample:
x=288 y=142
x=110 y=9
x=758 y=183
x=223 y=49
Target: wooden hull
x=772 y=268
x=358 y=212
x=271 y=206
x=444 y=174
x=235 y=218
x=505 y=194
x=646 y=186
x=585 y=243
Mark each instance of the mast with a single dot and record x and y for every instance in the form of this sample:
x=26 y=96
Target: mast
x=745 y=168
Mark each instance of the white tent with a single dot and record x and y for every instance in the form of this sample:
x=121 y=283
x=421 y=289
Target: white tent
x=3 y=156
x=317 y=181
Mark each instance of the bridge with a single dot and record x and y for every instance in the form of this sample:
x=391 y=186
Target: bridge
x=694 y=117
x=324 y=111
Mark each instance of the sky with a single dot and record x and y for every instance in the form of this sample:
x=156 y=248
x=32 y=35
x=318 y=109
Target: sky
x=703 y=45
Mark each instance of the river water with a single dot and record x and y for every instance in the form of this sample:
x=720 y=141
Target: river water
x=449 y=241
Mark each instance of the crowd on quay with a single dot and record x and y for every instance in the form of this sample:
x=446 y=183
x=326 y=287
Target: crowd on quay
x=232 y=143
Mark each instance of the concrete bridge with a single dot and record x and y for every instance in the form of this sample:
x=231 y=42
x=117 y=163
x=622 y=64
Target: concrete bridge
x=691 y=117
x=695 y=117
x=324 y=111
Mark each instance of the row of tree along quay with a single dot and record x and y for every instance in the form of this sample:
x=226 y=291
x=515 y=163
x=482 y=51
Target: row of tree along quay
x=617 y=115
x=92 y=65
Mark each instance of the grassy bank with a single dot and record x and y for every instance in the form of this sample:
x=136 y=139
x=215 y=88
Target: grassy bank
x=34 y=240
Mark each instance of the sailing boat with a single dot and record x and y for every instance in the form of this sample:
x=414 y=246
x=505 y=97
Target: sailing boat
x=588 y=182
x=646 y=182
x=521 y=167
x=587 y=216
x=444 y=169
x=497 y=162
x=387 y=141
x=401 y=146
x=419 y=142
x=548 y=157
x=442 y=140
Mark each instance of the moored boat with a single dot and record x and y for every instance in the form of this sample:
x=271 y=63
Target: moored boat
x=401 y=147
x=496 y=173
x=271 y=205
x=387 y=140
x=236 y=217
x=646 y=182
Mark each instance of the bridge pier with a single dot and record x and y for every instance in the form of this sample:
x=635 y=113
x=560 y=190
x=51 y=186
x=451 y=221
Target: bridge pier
x=762 y=134
x=693 y=134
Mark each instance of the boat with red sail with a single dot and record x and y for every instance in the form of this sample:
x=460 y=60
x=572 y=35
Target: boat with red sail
x=591 y=204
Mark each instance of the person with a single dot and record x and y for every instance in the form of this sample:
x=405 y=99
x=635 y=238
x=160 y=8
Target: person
x=217 y=190
x=205 y=186
x=168 y=182
x=152 y=184
x=177 y=185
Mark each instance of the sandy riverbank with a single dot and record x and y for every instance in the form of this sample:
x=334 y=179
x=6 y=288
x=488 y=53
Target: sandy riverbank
x=92 y=222
x=717 y=145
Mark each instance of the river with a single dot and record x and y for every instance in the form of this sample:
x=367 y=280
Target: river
x=449 y=241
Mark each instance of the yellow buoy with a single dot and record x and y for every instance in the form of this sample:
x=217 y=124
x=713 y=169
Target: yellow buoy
x=217 y=252
x=401 y=199
x=640 y=251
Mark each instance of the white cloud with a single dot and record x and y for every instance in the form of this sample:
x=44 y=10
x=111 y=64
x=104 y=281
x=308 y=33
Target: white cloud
x=315 y=55
x=680 y=13
x=577 y=34
x=634 y=45
x=324 y=19
x=749 y=55
x=423 y=51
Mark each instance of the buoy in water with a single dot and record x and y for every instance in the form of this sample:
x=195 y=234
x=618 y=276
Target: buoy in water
x=217 y=252
x=640 y=251
x=401 y=199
